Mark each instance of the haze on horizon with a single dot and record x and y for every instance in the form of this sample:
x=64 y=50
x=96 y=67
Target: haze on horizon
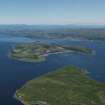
x=52 y=12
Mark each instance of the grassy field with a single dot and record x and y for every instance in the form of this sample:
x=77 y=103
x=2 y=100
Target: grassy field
x=65 y=86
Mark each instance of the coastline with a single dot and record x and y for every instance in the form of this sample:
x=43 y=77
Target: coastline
x=95 y=84
x=20 y=100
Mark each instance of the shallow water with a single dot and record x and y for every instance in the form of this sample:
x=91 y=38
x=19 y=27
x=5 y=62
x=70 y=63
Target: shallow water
x=13 y=74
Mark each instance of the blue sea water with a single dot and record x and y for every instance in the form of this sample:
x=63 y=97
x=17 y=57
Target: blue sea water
x=13 y=73
x=14 y=39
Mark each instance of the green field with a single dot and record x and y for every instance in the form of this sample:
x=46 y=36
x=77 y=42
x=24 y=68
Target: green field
x=65 y=86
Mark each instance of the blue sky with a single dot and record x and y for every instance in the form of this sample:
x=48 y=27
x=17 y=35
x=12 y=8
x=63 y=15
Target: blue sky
x=52 y=11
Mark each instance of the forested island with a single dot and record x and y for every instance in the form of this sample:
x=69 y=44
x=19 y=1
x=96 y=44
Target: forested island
x=66 y=86
x=35 y=52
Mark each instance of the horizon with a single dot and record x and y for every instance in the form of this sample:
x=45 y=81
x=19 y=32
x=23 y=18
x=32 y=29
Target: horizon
x=55 y=24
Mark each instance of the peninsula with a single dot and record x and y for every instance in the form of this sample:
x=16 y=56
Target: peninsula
x=65 y=86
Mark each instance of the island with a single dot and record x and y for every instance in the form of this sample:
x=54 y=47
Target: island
x=66 y=86
x=35 y=52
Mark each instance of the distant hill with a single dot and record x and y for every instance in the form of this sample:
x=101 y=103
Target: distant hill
x=72 y=26
x=90 y=32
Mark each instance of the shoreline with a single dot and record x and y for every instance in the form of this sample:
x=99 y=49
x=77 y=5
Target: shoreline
x=18 y=99
x=79 y=71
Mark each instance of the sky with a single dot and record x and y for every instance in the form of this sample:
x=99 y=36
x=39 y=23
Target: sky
x=52 y=12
